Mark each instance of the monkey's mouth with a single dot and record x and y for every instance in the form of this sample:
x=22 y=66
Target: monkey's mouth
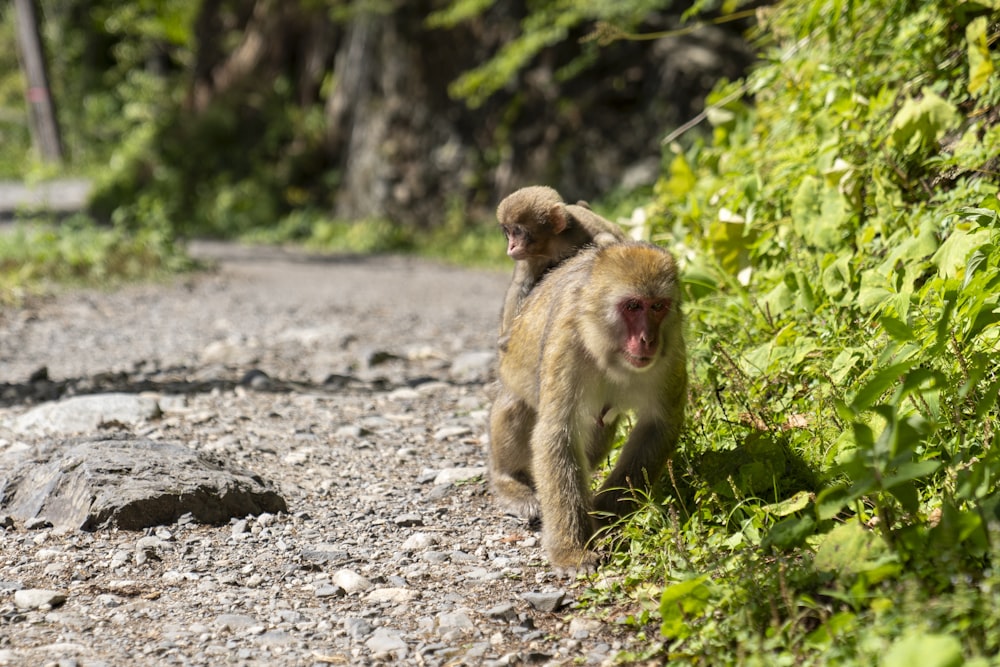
x=638 y=362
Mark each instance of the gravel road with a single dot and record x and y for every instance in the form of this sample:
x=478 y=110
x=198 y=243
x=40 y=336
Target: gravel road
x=357 y=386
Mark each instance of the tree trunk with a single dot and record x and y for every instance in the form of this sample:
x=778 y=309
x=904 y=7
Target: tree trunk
x=42 y=114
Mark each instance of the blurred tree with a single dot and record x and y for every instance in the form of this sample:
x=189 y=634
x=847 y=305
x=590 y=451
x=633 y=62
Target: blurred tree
x=44 y=128
x=221 y=116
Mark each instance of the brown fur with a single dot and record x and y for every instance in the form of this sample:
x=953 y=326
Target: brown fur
x=563 y=382
x=542 y=231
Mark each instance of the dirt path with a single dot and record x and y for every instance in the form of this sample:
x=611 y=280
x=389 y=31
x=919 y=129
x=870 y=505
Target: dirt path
x=357 y=387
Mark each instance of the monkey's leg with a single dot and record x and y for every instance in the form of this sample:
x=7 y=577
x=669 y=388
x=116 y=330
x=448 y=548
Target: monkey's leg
x=562 y=480
x=511 y=423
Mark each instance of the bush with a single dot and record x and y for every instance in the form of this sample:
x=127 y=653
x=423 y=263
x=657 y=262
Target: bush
x=841 y=248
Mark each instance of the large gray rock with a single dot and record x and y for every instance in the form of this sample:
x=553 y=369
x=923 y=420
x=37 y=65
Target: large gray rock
x=85 y=414
x=131 y=484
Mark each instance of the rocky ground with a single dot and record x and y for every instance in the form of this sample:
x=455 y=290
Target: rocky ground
x=354 y=389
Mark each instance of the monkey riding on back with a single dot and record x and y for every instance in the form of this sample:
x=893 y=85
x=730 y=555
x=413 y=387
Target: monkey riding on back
x=542 y=231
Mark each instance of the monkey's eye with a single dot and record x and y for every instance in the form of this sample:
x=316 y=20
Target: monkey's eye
x=633 y=305
x=660 y=306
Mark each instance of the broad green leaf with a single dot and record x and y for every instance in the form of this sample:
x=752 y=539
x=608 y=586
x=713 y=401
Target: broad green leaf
x=953 y=255
x=989 y=399
x=836 y=278
x=874 y=291
x=818 y=212
x=682 y=179
x=985 y=317
x=921 y=123
x=807 y=299
x=789 y=532
x=922 y=380
x=911 y=471
x=906 y=494
x=842 y=365
x=779 y=300
x=849 y=549
x=840 y=624
x=977 y=260
x=791 y=505
x=896 y=328
x=877 y=385
x=730 y=243
x=830 y=501
x=926 y=650
x=682 y=601
x=980 y=61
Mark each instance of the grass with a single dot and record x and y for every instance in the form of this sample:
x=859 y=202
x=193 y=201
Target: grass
x=36 y=255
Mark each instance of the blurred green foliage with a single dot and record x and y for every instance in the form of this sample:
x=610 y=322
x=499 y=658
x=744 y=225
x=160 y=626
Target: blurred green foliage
x=840 y=237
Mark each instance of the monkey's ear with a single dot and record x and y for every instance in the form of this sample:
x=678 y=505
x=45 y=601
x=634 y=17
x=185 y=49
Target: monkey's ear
x=558 y=217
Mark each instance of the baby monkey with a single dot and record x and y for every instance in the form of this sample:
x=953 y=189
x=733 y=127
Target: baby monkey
x=542 y=231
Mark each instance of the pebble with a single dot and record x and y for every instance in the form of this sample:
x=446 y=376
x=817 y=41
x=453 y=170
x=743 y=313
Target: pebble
x=330 y=591
x=240 y=527
x=503 y=611
x=357 y=628
x=456 y=475
x=459 y=619
x=38 y=598
x=385 y=641
x=451 y=432
x=409 y=520
x=235 y=622
x=419 y=541
x=545 y=601
x=148 y=548
x=474 y=366
x=392 y=594
x=351 y=581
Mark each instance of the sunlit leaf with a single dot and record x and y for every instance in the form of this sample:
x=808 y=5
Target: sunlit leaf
x=730 y=243
x=849 y=549
x=896 y=328
x=818 y=211
x=980 y=61
x=791 y=505
x=921 y=123
x=924 y=649
x=878 y=384
x=953 y=255
x=682 y=601
x=789 y=532
x=836 y=278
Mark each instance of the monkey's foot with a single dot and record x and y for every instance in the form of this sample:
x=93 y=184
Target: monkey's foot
x=526 y=508
x=516 y=497
x=570 y=562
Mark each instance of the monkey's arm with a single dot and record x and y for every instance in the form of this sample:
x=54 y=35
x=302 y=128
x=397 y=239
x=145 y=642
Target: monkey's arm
x=520 y=284
x=601 y=230
x=558 y=455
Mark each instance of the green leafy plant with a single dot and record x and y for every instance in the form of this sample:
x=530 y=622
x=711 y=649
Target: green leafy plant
x=839 y=236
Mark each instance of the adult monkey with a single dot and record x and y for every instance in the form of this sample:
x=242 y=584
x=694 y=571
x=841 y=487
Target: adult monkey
x=600 y=334
x=541 y=232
